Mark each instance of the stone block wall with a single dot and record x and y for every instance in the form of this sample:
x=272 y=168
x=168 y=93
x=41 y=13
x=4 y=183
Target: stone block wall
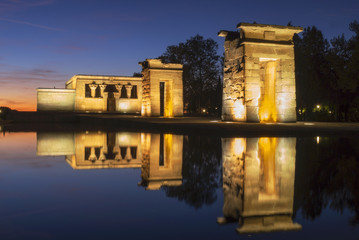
x=233 y=80
x=244 y=90
x=49 y=99
x=146 y=94
x=154 y=72
x=100 y=104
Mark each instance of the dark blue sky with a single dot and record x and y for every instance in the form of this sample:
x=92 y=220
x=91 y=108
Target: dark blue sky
x=44 y=42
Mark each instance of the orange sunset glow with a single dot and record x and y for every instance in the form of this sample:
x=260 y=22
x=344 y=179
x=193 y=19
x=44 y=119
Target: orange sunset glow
x=18 y=86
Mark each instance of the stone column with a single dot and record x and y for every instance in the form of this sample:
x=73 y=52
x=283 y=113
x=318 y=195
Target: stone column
x=119 y=88
x=92 y=157
x=102 y=155
x=102 y=88
x=128 y=89
x=105 y=96
x=93 y=89
x=128 y=156
x=117 y=96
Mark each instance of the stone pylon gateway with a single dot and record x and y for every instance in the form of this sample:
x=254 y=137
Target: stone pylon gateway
x=259 y=74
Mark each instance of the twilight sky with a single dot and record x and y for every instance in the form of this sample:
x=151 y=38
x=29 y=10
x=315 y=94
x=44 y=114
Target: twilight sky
x=45 y=42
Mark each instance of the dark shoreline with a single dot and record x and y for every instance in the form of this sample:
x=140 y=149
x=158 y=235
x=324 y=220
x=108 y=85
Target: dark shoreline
x=77 y=122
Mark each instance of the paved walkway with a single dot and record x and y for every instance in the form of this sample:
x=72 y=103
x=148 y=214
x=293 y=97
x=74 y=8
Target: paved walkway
x=181 y=125
x=206 y=125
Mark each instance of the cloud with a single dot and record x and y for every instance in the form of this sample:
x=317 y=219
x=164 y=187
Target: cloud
x=7 y=6
x=32 y=24
x=25 y=76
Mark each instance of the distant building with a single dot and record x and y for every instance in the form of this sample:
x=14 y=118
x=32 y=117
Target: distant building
x=158 y=93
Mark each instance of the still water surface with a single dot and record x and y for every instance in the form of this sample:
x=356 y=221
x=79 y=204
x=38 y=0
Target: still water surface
x=129 y=185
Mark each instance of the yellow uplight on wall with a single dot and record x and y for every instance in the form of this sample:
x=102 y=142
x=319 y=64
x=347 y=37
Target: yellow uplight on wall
x=267 y=109
x=168 y=101
x=239 y=110
x=124 y=105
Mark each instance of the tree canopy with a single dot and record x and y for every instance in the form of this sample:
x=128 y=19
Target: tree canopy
x=327 y=75
x=201 y=73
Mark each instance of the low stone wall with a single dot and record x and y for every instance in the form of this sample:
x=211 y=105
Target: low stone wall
x=49 y=99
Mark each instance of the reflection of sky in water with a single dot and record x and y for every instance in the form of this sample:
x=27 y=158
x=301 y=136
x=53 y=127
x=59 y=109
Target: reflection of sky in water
x=42 y=197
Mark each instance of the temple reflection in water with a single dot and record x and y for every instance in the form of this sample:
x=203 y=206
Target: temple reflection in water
x=258 y=173
x=158 y=155
x=258 y=183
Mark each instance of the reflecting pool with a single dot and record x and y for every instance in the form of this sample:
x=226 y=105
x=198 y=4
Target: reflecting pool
x=136 y=185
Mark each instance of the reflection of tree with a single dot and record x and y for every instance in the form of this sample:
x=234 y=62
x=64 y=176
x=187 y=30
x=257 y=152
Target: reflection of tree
x=201 y=171
x=329 y=177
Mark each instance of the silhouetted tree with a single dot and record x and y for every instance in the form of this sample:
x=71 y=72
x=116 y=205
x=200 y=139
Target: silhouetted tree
x=344 y=60
x=354 y=69
x=311 y=70
x=137 y=74
x=201 y=72
x=328 y=74
x=340 y=82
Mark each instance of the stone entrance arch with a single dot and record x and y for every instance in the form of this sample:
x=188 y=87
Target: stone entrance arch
x=259 y=76
x=162 y=89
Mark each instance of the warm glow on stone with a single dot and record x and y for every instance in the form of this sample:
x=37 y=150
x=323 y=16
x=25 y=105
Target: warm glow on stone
x=124 y=105
x=239 y=110
x=162 y=89
x=259 y=69
x=268 y=109
x=168 y=101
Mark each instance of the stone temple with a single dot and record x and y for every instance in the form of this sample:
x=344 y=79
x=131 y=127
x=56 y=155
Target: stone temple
x=259 y=75
x=159 y=92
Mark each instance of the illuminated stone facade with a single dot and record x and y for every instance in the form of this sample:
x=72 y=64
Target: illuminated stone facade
x=258 y=183
x=259 y=74
x=107 y=93
x=158 y=93
x=162 y=89
x=52 y=99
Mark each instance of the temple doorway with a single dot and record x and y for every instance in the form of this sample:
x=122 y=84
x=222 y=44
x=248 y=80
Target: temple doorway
x=111 y=102
x=162 y=98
